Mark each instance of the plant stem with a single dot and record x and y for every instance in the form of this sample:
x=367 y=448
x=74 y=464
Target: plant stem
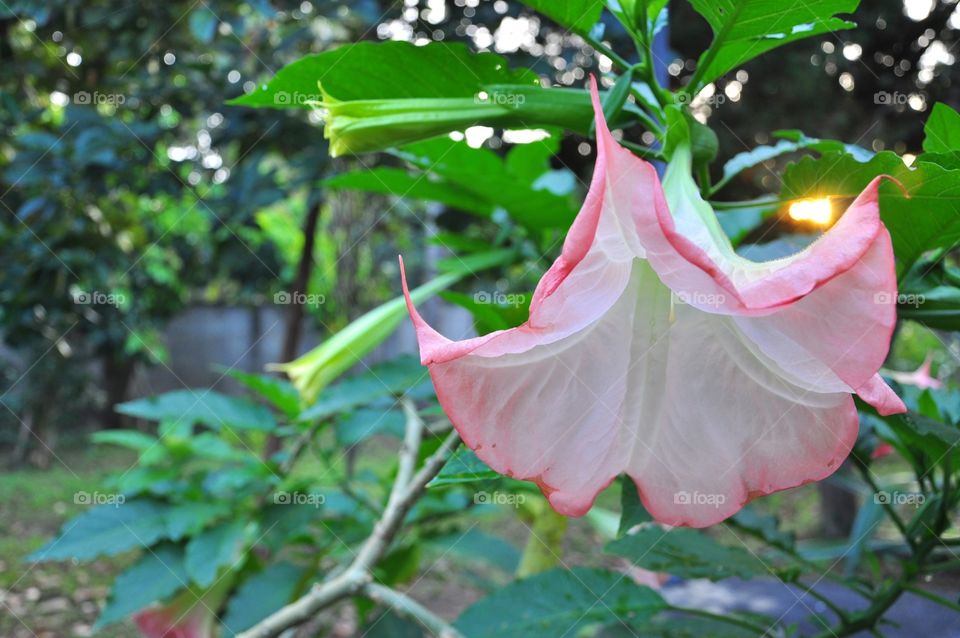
x=888 y=507
x=940 y=600
x=407 y=607
x=407 y=489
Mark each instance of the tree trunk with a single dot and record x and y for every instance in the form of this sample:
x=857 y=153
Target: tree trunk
x=294 y=323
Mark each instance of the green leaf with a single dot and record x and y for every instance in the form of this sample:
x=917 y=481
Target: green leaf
x=686 y=553
x=158 y=574
x=577 y=15
x=864 y=527
x=402 y=183
x=942 y=130
x=463 y=467
x=217 y=547
x=764 y=526
x=208 y=407
x=386 y=70
x=261 y=595
x=632 y=511
x=132 y=439
x=393 y=377
x=476 y=547
x=791 y=141
x=188 y=519
x=745 y=29
x=279 y=392
x=928 y=219
x=560 y=603
x=107 y=530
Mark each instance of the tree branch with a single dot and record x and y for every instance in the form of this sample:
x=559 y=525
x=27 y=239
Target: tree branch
x=357 y=578
x=407 y=607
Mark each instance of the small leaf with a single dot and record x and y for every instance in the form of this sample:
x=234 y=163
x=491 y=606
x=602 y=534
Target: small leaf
x=578 y=15
x=279 y=392
x=463 y=467
x=132 y=439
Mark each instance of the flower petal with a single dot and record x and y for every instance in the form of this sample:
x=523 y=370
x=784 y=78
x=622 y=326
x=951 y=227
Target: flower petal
x=731 y=427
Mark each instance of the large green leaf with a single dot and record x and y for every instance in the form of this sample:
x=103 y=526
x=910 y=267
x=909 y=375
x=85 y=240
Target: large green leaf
x=158 y=574
x=687 y=553
x=208 y=407
x=744 y=29
x=107 y=530
x=261 y=595
x=386 y=70
x=217 y=547
x=476 y=180
x=132 y=439
x=578 y=15
x=560 y=603
x=942 y=131
x=928 y=219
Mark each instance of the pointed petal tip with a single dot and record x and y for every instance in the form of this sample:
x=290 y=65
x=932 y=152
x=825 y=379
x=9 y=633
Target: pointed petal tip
x=427 y=338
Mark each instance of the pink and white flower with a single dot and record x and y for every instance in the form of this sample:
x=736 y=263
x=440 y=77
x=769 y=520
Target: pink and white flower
x=653 y=349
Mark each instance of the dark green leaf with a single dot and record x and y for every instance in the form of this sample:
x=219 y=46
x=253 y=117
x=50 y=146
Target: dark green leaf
x=392 y=377
x=217 y=547
x=366 y=422
x=558 y=603
x=261 y=595
x=687 y=553
x=744 y=29
x=632 y=511
x=158 y=574
x=386 y=70
x=107 y=530
x=208 y=407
